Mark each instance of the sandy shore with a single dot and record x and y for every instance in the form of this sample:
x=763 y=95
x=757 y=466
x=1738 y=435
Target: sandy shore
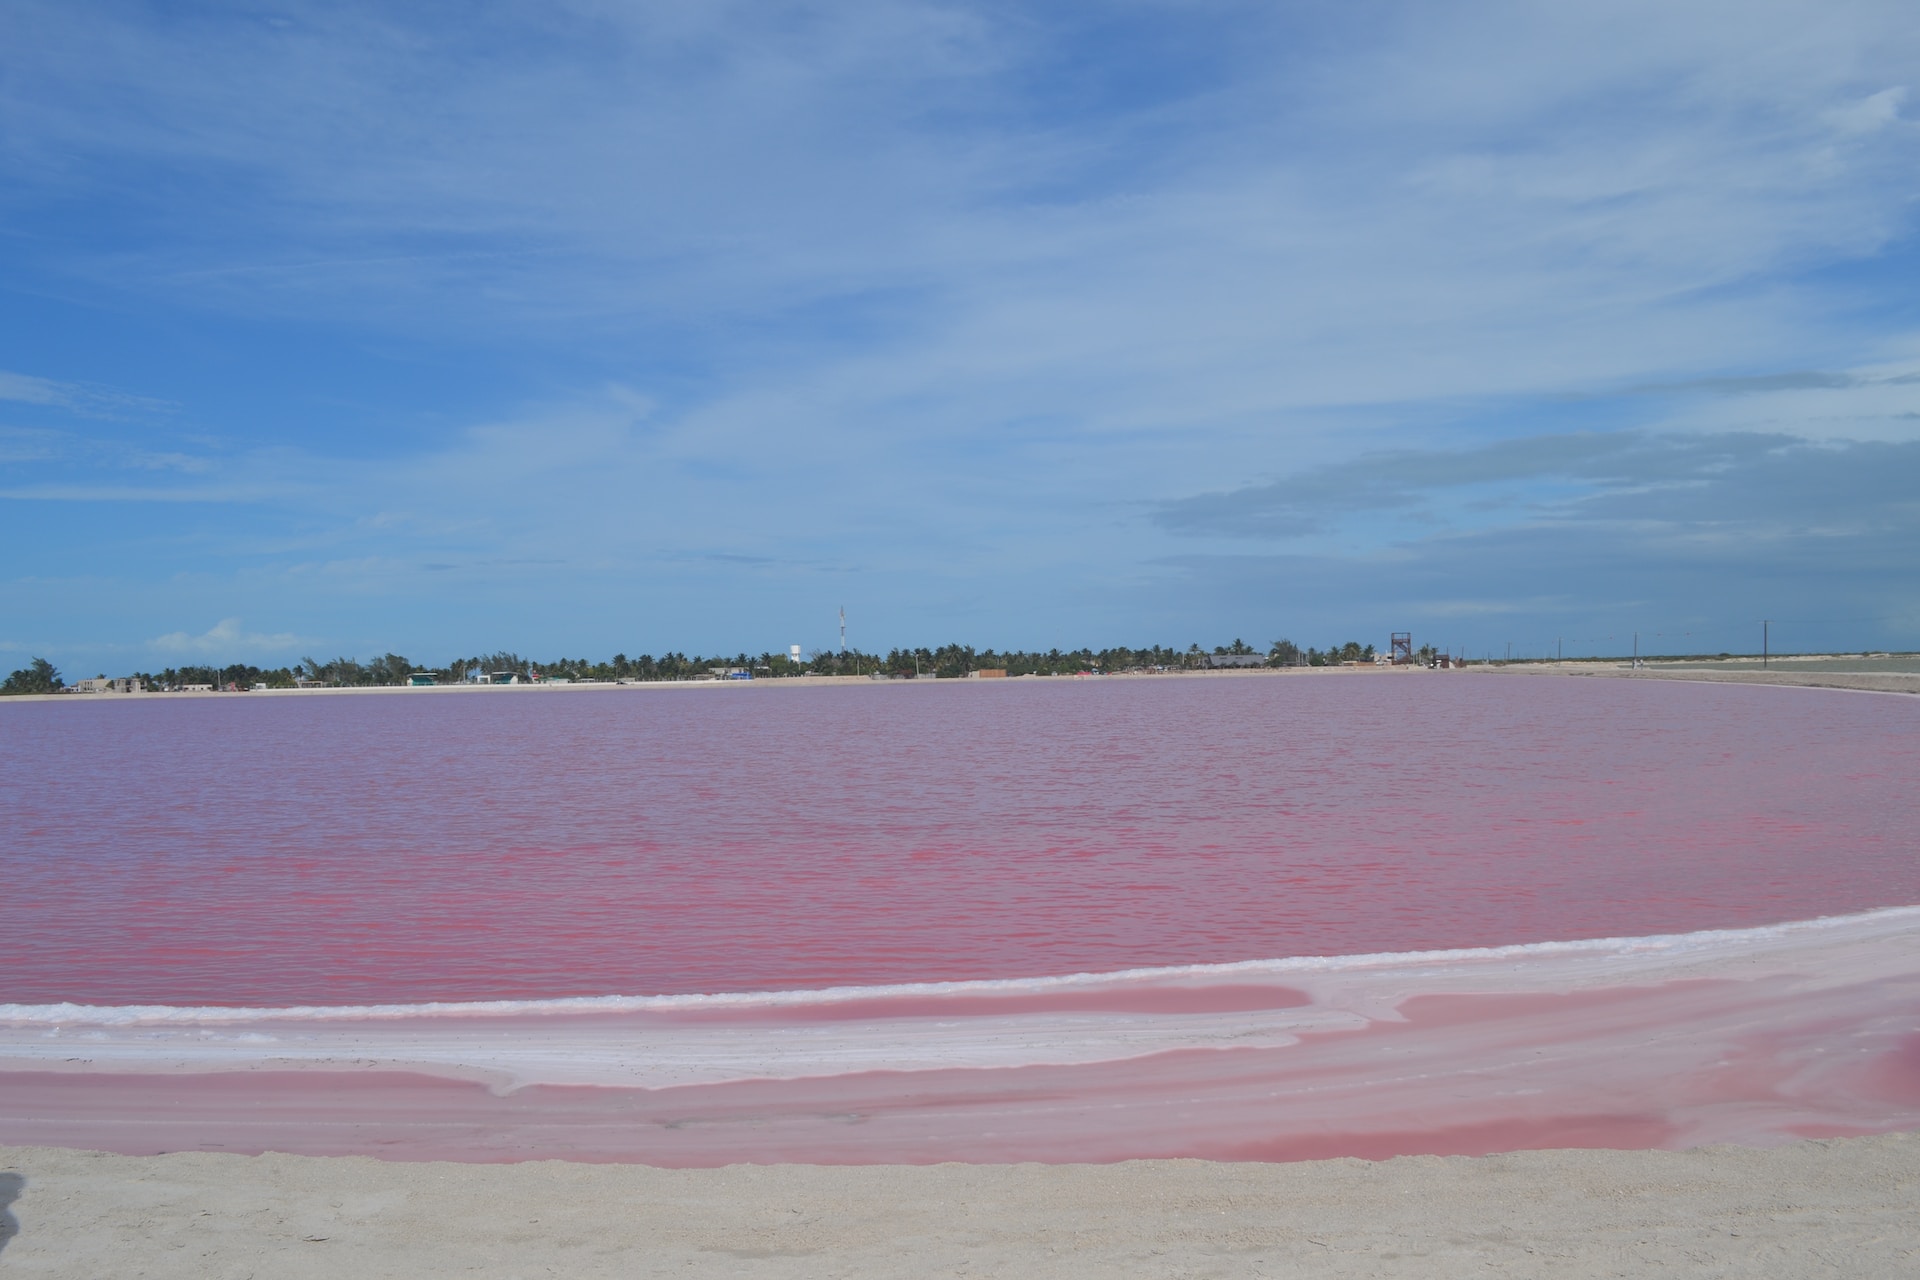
x=1784 y=675
x=1841 y=1207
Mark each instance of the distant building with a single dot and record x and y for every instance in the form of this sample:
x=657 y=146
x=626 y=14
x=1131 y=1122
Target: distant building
x=423 y=679
x=1219 y=660
x=988 y=673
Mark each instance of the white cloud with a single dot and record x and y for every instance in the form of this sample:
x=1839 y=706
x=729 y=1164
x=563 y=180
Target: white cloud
x=1871 y=113
x=226 y=640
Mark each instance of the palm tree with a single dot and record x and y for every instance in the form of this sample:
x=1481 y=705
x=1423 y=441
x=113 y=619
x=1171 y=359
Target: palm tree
x=38 y=676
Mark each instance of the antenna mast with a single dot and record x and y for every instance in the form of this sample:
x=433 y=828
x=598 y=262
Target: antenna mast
x=843 y=631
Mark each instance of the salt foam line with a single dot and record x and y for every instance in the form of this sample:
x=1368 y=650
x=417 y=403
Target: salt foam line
x=649 y=1046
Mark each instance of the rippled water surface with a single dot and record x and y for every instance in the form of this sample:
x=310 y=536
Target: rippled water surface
x=413 y=846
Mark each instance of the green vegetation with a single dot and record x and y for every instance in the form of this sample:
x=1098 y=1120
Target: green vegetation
x=38 y=676
x=949 y=661
x=346 y=673
x=1351 y=651
x=945 y=662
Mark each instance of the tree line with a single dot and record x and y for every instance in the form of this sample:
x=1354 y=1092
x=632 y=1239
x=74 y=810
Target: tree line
x=945 y=662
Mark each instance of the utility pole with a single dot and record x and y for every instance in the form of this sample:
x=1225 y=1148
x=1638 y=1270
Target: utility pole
x=1765 y=625
x=1636 y=651
x=1559 y=648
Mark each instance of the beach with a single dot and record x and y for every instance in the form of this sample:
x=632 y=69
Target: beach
x=1843 y=1207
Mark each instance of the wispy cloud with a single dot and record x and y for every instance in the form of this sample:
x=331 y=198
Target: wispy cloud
x=1751 y=384
x=85 y=401
x=1755 y=485
x=27 y=445
x=709 y=314
x=138 y=493
x=994 y=195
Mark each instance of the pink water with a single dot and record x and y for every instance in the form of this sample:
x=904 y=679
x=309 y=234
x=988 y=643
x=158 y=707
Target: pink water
x=415 y=847
x=1319 y=915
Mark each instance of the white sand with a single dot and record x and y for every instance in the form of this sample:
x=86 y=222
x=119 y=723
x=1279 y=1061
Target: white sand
x=1844 y=1207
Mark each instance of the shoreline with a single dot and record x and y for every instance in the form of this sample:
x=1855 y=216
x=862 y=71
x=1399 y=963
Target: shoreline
x=1848 y=1206
x=781 y=682
x=1754 y=1036
x=1609 y=668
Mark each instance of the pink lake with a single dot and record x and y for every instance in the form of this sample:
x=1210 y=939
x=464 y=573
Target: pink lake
x=506 y=924
x=472 y=846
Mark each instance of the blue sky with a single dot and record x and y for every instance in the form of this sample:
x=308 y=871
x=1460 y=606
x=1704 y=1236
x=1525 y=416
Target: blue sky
x=576 y=327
